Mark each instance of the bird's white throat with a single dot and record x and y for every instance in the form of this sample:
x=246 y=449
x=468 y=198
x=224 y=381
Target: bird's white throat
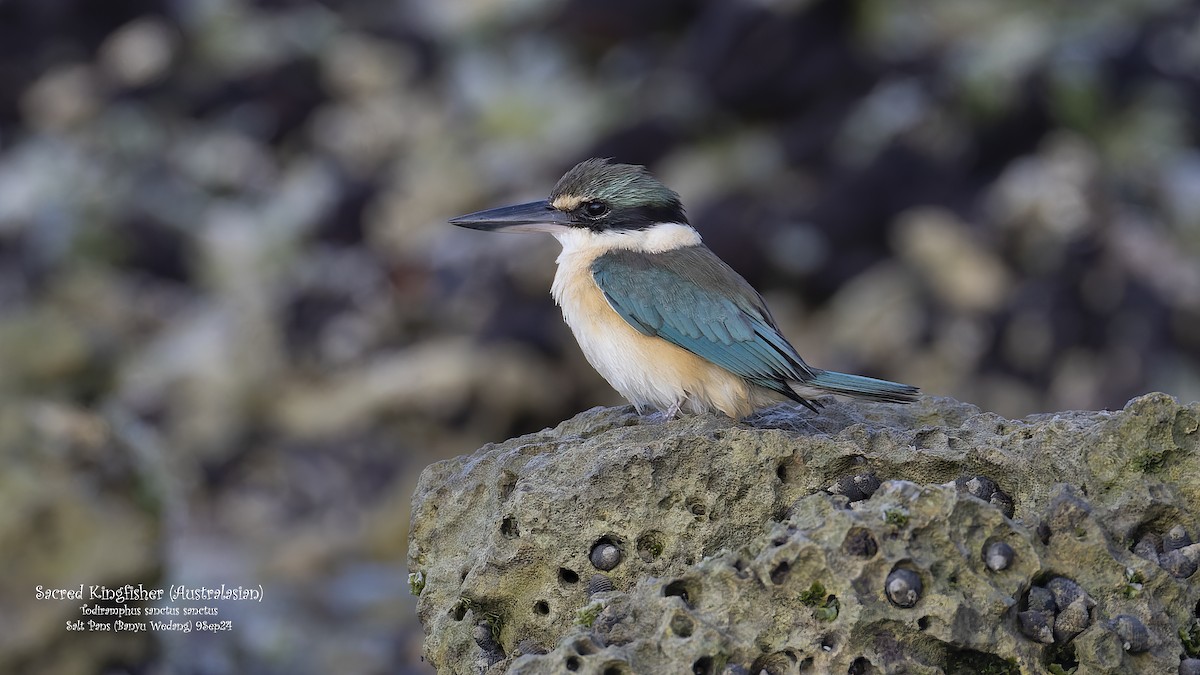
x=657 y=238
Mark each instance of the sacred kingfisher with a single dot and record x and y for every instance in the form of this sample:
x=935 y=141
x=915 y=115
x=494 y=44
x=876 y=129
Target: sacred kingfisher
x=664 y=320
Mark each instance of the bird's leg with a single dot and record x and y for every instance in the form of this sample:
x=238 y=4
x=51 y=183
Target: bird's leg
x=672 y=412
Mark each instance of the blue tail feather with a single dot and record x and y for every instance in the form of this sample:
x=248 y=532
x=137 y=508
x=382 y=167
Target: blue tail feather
x=858 y=386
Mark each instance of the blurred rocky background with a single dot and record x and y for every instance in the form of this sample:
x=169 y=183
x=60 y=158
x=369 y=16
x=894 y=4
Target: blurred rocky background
x=234 y=324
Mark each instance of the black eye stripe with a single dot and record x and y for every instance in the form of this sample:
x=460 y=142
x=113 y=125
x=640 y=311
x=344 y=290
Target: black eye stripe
x=627 y=217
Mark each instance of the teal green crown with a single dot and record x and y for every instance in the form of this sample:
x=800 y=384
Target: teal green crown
x=620 y=185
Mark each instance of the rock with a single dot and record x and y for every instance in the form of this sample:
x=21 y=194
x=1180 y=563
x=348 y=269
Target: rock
x=734 y=554
x=138 y=53
x=1189 y=667
x=961 y=272
x=860 y=543
x=78 y=509
x=774 y=664
x=1147 y=547
x=1068 y=513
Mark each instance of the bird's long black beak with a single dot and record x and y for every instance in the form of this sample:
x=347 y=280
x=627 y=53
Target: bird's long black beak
x=537 y=216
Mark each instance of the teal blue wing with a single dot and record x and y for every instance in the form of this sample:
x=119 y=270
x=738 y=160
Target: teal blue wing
x=692 y=299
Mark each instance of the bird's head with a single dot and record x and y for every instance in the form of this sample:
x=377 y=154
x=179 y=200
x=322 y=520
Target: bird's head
x=594 y=196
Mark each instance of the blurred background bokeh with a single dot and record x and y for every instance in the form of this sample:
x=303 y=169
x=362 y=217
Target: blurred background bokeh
x=234 y=324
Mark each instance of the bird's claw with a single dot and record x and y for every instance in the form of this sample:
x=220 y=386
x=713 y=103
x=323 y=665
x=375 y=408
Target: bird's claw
x=671 y=413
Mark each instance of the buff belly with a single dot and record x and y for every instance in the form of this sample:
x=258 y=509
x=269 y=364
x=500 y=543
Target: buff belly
x=648 y=371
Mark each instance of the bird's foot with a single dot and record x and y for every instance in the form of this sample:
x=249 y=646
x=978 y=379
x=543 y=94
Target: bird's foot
x=672 y=412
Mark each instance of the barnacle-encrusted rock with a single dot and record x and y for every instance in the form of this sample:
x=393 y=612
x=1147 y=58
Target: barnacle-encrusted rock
x=736 y=557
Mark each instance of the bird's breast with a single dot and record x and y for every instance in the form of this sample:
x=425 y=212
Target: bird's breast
x=606 y=338
x=648 y=371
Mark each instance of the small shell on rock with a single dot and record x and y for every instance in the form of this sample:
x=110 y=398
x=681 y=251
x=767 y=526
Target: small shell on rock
x=1135 y=637
x=482 y=633
x=1182 y=562
x=529 y=646
x=838 y=502
x=1036 y=626
x=1067 y=514
x=843 y=486
x=998 y=556
x=1071 y=621
x=857 y=487
x=1043 y=532
x=773 y=664
x=587 y=644
x=605 y=555
x=1002 y=501
x=1147 y=547
x=868 y=483
x=986 y=489
x=599 y=584
x=1189 y=667
x=1176 y=538
x=903 y=587
x=1066 y=591
x=1040 y=600
x=977 y=486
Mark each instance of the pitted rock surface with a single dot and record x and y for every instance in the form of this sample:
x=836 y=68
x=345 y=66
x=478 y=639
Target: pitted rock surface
x=734 y=556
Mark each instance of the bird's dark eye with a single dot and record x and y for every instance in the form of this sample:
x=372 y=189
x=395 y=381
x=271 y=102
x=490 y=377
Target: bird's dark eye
x=595 y=209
